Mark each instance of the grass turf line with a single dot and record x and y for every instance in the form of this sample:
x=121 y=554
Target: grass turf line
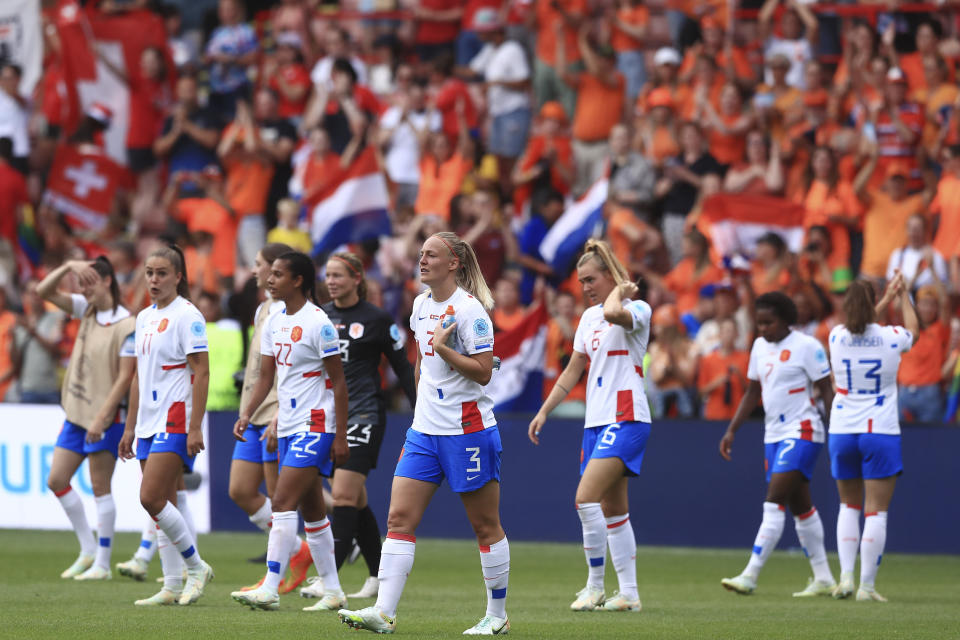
x=680 y=589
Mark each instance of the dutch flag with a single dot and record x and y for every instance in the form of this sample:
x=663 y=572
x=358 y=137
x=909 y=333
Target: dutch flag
x=582 y=220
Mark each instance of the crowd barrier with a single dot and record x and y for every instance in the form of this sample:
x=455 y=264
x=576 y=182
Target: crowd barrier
x=686 y=494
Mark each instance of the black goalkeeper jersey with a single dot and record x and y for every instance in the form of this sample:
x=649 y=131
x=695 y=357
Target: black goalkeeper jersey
x=367 y=331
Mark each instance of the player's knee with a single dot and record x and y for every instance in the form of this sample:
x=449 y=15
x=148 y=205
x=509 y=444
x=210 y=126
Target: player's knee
x=152 y=502
x=240 y=493
x=345 y=497
x=400 y=521
x=56 y=483
x=100 y=486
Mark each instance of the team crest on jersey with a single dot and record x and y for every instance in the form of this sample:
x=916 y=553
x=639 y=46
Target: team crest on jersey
x=163 y=325
x=356 y=330
x=296 y=333
x=784 y=355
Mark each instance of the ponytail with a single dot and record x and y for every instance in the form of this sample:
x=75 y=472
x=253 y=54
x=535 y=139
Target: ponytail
x=469 y=277
x=858 y=306
x=173 y=254
x=301 y=265
x=354 y=266
x=600 y=251
x=104 y=269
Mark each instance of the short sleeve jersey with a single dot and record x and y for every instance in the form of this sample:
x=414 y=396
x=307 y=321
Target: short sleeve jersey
x=786 y=371
x=447 y=402
x=299 y=343
x=164 y=339
x=615 y=380
x=865 y=370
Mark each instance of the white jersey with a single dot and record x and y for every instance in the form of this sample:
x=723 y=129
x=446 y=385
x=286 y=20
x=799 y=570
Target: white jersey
x=786 y=371
x=448 y=403
x=865 y=370
x=164 y=339
x=298 y=344
x=615 y=380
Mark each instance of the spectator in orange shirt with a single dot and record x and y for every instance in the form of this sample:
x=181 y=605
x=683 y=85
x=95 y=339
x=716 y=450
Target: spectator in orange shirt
x=725 y=127
x=830 y=202
x=859 y=48
x=561 y=329
x=442 y=170
x=707 y=86
x=691 y=274
x=920 y=395
x=288 y=77
x=673 y=364
x=818 y=264
x=656 y=132
x=600 y=106
x=8 y=323
x=507 y=312
x=946 y=206
x=761 y=173
x=547 y=162
x=718 y=44
x=927 y=39
x=722 y=375
x=937 y=99
x=770 y=269
x=666 y=65
x=437 y=26
x=557 y=23
x=628 y=39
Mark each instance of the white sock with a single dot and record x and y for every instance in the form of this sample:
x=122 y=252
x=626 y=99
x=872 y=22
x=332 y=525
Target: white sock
x=148 y=541
x=623 y=553
x=282 y=531
x=771 y=528
x=106 y=520
x=396 y=562
x=73 y=506
x=183 y=506
x=871 y=547
x=261 y=517
x=170 y=562
x=594 y=541
x=495 y=563
x=810 y=531
x=320 y=541
x=171 y=522
x=848 y=536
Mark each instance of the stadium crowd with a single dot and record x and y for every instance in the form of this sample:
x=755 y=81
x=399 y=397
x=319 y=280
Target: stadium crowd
x=488 y=117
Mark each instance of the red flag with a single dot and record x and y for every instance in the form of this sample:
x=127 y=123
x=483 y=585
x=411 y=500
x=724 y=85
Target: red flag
x=83 y=185
x=734 y=222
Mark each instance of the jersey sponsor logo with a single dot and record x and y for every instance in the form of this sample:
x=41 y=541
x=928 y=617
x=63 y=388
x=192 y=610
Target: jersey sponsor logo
x=197 y=328
x=328 y=333
x=163 y=325
x=356 y=330
x=784 y=355
x=296 y=333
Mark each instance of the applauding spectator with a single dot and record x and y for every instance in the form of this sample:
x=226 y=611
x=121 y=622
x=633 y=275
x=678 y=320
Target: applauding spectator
x=722 y=375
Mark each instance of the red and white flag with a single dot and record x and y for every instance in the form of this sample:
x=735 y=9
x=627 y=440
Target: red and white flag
x=734 y=222
x=82 y=186
x=518 y=385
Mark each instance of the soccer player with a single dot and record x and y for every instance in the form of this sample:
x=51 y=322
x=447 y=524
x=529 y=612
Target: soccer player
x=612 y=336
x=453 y=436
x=167 y=406
x=253 y=462
x=94 y=394
x=784 y=368
x=366 y=334
x=865 y=428
x=299 y=346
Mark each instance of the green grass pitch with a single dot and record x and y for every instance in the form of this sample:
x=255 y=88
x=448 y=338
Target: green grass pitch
x=680 y=589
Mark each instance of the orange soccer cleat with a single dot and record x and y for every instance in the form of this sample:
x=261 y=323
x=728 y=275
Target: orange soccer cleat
x=299 y=564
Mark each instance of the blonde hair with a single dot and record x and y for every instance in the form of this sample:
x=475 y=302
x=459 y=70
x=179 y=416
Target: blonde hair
x=603 y=254
x=355 y=267
x=469 y=277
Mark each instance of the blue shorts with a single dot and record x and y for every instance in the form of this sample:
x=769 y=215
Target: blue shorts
x=254 y=449
x=792 y=454
x=165 y=443
x=865 y=455
x=306 y=449
x=624 y=440
x=74 y=438
x=468 y=461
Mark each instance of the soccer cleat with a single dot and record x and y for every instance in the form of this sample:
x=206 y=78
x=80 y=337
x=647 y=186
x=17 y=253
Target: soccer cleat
x=742 y=584
x=489 y=626
x=254 y=586
x=94 y=573
x=370 y=619
x=370 y=589
x=331 y=601
x=259 y=598
x=81 y=564
x=197 y=579
x=620 y=603
x=162 y=598
x=588 y=599
x=299 y=563
x=845 y=588
x=133 y=568
x=816 y=588
x=869 y=595
x=314 y=588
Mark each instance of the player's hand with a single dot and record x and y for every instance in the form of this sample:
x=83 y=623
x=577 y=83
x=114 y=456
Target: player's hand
x=239 y=427
x=441 y=334
x=125 y=448
x=339 y=451
x=195 y=441
x=270 y=435
x=726 y=446
x=95 y=432
x=628 y=290
x=536 y=426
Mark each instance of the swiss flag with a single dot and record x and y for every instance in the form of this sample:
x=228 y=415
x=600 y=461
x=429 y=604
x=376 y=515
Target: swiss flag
x=82 y=186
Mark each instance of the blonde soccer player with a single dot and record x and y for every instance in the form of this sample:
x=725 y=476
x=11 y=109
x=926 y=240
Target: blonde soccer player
x=785 y=367
x=454 y=434
x=612 y=336
x=94 y=398
x=167 y=406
